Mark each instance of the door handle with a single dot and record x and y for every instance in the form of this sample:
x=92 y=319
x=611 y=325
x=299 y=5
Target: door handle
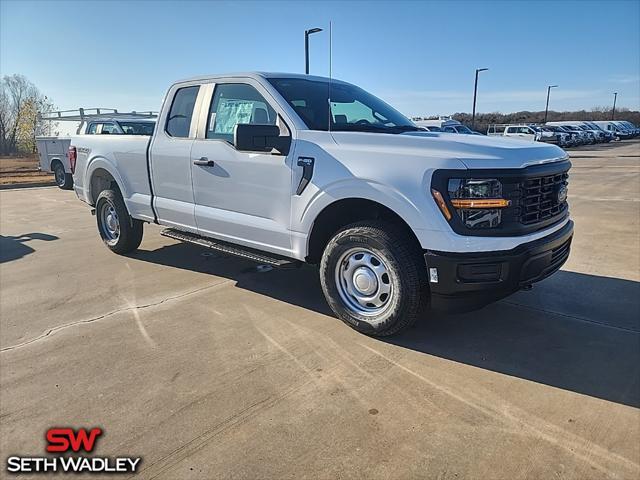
x=204 y=162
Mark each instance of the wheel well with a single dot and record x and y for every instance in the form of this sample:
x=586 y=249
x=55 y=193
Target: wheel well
x=101 y=180
x=345 y=212
x=54 y=161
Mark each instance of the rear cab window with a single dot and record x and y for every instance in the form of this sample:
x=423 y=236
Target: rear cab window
x=109 y=129
x=179 y=119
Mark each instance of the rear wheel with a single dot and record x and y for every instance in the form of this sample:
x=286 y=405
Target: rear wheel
x=119 y=232
x=373 y=278
x=63 y=180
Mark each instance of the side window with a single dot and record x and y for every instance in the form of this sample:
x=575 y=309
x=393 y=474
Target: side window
x=450 y=130
x=179 y=119
x=235 y=103
x=92 y=129
x=511 y=130
x=108 y=129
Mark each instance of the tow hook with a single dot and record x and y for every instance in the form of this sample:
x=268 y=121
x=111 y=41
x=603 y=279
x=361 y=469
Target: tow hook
x=527 y=287
x=93 y=212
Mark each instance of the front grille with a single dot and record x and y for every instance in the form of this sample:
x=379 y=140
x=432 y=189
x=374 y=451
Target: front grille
x=539 y=198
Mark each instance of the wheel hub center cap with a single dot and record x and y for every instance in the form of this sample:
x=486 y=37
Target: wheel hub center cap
x=111 y=223
x=365 y=281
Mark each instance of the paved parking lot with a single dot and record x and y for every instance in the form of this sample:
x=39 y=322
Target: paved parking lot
x=208 y=368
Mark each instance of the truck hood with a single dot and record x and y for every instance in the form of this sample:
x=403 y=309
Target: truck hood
x=474 y=151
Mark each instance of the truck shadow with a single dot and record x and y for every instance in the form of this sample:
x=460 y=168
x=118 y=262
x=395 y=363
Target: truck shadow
x=573 y=331
x=13 y=248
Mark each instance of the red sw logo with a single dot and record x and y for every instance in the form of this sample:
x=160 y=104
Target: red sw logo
x=65 y=439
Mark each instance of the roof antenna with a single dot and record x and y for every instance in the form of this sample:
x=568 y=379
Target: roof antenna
x=330 y=72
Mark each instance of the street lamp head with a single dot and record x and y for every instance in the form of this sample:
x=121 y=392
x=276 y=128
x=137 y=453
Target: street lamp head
x=312 y=30
x=481 y=69
x=553 y=86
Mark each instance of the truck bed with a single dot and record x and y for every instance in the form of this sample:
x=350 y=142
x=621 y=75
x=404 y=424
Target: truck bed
x=125 y=156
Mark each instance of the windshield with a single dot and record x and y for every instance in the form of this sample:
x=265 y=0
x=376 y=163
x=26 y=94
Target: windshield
x=352 y=109
x=137 y=128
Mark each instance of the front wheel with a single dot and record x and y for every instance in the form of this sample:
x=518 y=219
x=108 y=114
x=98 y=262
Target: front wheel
x=120 y=233
x=373 y=277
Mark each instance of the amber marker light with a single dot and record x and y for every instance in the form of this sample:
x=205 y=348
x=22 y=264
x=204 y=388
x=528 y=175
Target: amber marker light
x=440 y=201
x=479 y=203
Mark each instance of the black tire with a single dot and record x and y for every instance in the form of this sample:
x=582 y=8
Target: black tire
x=63 y=180
x=401 y=258
x=129 y=230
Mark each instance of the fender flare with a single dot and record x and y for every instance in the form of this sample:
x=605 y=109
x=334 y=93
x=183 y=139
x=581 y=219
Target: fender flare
x=379 y=193
x=56 y=159
x=103 y=163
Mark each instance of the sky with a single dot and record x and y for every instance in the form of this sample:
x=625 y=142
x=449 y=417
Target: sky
x=419 y=56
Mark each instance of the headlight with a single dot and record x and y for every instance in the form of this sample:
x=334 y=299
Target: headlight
x=478 y=202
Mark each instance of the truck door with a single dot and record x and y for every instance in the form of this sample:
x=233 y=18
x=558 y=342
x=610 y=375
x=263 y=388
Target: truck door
x=241 y=197
x=170 y=156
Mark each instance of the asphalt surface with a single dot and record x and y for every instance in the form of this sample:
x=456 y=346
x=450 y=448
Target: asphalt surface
x=208 y=368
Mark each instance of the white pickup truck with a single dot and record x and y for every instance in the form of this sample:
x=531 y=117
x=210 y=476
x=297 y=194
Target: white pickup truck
x=284 y=168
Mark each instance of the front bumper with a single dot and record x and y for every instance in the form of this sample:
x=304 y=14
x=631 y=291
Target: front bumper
x=467 y=281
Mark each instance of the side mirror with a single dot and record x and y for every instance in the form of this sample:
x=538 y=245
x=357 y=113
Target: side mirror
x=260 y=138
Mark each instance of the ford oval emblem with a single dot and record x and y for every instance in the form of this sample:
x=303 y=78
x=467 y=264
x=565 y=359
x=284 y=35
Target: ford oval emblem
x=562 y=193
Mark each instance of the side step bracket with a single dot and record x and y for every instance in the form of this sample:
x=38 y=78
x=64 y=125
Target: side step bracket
x=232 y=249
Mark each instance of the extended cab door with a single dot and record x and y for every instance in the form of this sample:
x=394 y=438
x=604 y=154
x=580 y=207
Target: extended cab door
x=170 y=158
x=240 y=197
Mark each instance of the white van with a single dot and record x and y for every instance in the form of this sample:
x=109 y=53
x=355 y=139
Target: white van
x=612 y=127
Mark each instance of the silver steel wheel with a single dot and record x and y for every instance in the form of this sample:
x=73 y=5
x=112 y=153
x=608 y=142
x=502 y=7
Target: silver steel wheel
x=59 y=176
x=363 y=281
x=109 y=223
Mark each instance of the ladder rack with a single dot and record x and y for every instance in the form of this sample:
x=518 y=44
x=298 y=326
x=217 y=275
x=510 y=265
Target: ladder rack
x=84 y=114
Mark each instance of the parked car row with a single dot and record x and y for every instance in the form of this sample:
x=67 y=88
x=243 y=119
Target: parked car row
x=582 y=133
x=567 y=133
x=446 y=125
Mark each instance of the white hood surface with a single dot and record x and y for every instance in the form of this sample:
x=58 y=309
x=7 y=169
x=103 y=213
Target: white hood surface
x=474 y=151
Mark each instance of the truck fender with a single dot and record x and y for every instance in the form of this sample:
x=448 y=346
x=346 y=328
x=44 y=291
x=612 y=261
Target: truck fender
x=103 y=163
x=370 y=190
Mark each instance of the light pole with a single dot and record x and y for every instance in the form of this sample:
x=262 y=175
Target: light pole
x=475 y=94
x=306 y=47
x=546 y=109
x=613 y=110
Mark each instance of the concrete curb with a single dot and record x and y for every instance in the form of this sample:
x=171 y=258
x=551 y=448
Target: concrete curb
x=15 y=186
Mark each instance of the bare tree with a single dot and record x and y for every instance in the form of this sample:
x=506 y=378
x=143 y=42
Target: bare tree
x=21 y=104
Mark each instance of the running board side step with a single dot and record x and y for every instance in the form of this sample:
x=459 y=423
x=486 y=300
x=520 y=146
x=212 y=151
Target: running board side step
x=232 y=249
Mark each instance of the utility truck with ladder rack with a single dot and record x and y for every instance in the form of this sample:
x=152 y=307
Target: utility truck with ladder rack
x=53 y=151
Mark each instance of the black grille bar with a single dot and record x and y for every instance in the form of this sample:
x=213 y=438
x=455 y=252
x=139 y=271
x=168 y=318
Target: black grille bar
x=539 y=200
